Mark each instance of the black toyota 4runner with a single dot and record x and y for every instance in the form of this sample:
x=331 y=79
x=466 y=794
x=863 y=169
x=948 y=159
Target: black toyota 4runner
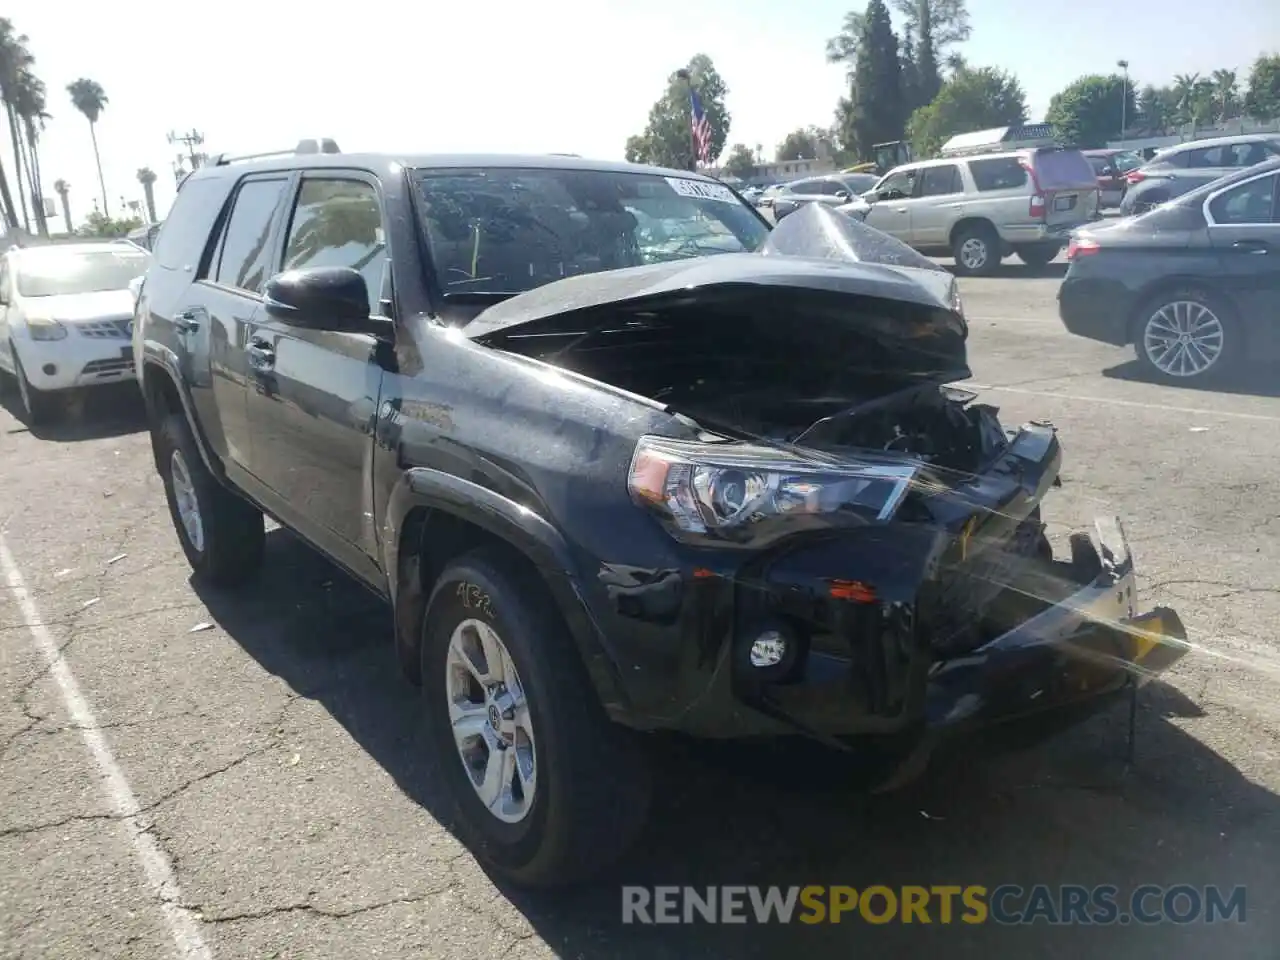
x=622 y=459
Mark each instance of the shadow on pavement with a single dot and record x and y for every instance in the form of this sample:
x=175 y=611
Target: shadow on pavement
x=788 y=814
x=95 y=414
x=1014 y=269
x=1246 y=379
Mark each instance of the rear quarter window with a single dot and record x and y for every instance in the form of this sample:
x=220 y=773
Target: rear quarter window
x=998 y=173
x=185 y=231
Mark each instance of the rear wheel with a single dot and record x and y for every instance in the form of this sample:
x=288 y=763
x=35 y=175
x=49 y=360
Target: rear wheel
x=976 y=250
x=1187 y=336
x=1038 y=255
x=547 y=788
x=222 y=535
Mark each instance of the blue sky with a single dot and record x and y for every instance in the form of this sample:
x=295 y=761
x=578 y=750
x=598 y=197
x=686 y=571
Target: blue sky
x=558 y=75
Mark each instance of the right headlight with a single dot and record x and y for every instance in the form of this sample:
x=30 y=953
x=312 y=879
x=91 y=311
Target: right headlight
x=739 y=493
x=42 y=328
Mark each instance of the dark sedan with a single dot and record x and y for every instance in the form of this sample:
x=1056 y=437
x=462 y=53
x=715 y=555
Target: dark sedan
x=1194 y=284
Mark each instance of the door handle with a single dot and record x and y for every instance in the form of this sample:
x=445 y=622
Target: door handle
x=261 y=352
x=186 y=322
x=1257 y=247
x=899 y=209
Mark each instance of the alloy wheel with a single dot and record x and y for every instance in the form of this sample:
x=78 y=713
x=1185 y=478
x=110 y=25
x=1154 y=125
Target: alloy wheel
x=489 y=716
x=974 y=253
x=1183 y=338
x=184 y=493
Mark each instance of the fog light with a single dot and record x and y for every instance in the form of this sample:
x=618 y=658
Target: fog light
x=769 y=649
x=50 y=369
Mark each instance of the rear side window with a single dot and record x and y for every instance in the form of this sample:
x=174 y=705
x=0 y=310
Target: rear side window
x=940 y=181
x=998 y=173
x=245 y=257
x=185 y=231
x=1126 y=161
x=1056 y=169
x=1250 y=203
x=804 y=186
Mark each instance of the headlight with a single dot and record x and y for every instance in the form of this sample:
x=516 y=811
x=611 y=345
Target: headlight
x=956 y=303
x=42 y=328
x=739 y=493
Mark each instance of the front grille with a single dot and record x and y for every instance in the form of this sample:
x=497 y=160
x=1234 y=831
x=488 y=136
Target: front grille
x=119 y=329
x=106 y=368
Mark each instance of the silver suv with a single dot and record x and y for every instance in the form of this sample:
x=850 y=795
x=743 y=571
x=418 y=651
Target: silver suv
x=979 y=209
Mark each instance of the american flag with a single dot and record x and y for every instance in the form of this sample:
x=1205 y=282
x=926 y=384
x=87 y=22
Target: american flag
x=701 y=129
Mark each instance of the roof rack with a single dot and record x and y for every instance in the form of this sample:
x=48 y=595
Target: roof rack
x=1000 y=139
x=322 y=145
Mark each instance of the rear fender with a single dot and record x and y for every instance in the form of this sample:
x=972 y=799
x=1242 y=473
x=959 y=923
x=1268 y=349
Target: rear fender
x=159 y=361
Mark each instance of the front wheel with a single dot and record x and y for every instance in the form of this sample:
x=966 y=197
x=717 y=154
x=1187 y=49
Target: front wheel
x=547 y=788
x=1187 y=336
x=222 y=535
x=38 y=406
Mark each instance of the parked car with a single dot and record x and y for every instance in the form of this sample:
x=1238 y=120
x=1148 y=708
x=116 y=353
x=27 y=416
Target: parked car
x=145 y=235
x=1110 y=166
x=1176 y=170
x=770 y=194
x=1193 y=284
x=981 y=208
x=832 y=190
x=729 y=495
x=66 y=314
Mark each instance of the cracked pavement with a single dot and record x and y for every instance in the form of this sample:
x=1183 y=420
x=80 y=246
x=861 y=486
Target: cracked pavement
x=276 y=757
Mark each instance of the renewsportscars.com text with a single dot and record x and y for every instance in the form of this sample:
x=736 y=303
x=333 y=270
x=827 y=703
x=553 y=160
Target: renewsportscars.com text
x=1006 y=904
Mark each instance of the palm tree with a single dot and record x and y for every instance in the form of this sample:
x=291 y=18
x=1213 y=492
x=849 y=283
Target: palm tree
x=15 y=62
x=1224 y=92
x=147 y=177
x=1184 y=90
x=88 y=97
x=29 y=103
x=62 y=188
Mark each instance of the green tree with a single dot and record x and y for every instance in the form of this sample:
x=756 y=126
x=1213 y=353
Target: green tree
x=147 y=177
x=910 y=71
x=878 y=113
x=974 y=99
x=1225 y=94
x=934 y=28
x=667 y=139
x=1087 y=113
x=16 y=63
x=89 y=98
x=797 y=145
x=98 y=224
x=843 y=47
x=1262 y=97
x=741 y=163
x=1157 y=107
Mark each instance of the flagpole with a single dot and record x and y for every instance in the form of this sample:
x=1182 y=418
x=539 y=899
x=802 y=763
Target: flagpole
x=693 y=143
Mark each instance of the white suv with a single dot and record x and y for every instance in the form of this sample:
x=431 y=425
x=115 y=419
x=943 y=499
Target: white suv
x=66 y=318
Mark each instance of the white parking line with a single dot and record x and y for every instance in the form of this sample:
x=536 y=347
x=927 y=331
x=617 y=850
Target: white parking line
x=183 y=924
x=1114 y=402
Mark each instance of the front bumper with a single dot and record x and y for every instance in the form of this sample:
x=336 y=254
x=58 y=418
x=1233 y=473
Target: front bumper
x=1064 y=647
x=85 y=357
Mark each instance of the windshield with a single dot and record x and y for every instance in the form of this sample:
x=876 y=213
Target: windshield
x=507 y=230
x=57 y=273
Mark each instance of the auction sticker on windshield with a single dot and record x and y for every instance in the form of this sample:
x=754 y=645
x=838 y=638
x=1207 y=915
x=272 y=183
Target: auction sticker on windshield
x=701 y=190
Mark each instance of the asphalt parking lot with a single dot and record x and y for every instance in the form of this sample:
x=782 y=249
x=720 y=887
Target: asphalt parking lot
x=282 y=802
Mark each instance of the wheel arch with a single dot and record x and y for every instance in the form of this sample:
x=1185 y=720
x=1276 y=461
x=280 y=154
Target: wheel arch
x=164 y=394
x=433 y=517
x=967 y=223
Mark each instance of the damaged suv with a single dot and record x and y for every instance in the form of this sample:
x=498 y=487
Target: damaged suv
x=622 y=459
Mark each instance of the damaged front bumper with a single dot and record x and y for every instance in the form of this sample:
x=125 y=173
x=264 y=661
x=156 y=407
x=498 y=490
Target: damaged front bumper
x=1064 y=650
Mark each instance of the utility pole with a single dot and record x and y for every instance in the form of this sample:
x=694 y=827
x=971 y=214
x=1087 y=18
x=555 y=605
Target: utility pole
x=192 y=139
x=1124 y=95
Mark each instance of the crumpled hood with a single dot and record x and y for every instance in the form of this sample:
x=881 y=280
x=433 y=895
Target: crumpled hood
x=813 y=251
x=72 y=308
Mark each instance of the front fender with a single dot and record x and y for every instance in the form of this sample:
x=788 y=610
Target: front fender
x=524 y=530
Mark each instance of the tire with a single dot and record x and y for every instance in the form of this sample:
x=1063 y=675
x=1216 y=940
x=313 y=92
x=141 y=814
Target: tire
x=1165 y=312
x=1038 y=255
x=976 y=250
x=591 y=779
x=39 y=407
x=225 y=548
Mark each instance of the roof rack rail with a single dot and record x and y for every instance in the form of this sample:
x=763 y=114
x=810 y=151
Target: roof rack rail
x=322 y=145
x=1000 y=139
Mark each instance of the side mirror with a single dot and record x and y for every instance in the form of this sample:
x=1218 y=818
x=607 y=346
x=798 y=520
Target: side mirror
x=321 y=298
